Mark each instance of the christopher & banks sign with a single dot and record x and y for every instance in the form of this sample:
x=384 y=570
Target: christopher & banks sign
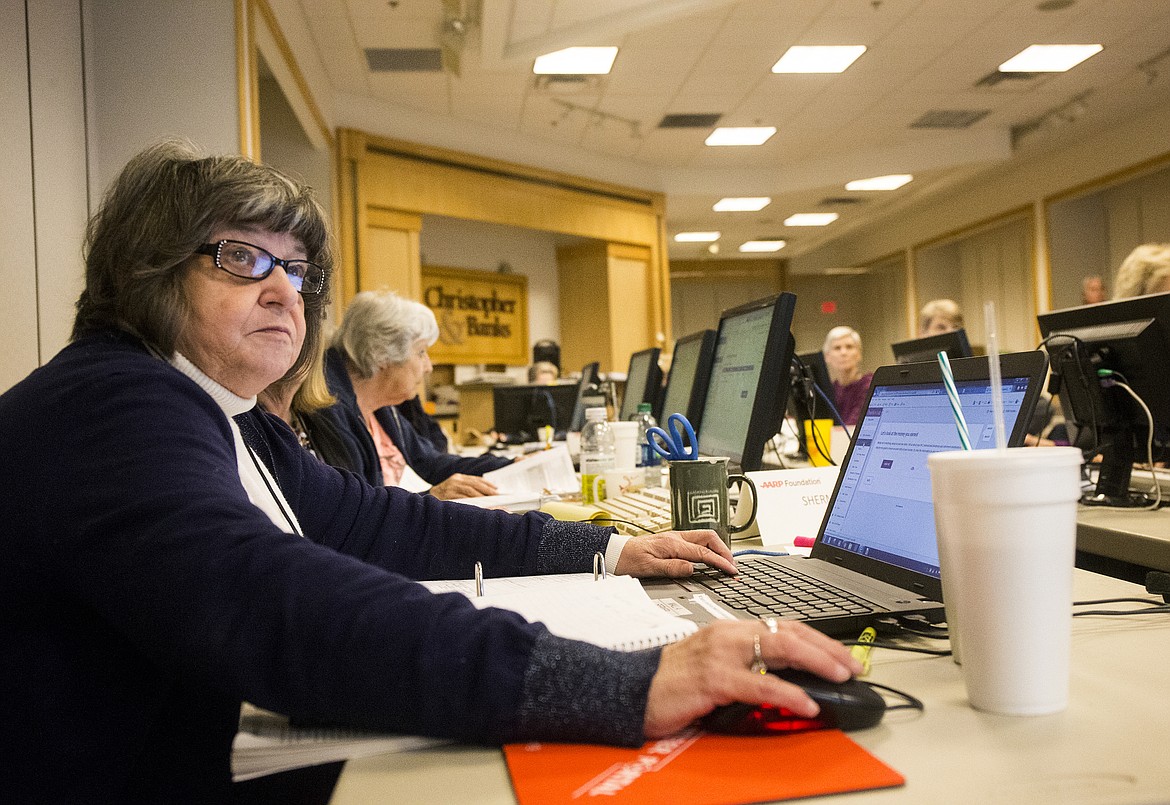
x=482 y=315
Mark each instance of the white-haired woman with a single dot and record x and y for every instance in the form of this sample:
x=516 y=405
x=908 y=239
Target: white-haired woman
x=842 y=351
x=377 y=361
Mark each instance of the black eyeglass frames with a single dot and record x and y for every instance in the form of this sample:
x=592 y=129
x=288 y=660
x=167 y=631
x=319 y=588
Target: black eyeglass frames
x=251 y=262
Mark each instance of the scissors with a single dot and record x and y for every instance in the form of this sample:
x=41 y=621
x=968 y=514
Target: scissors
x=672 y=446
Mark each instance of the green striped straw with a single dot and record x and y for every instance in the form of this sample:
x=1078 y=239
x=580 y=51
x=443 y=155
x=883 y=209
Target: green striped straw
x=953 y=396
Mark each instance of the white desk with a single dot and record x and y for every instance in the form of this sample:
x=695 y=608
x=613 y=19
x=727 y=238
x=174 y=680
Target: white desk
x=1110 y=746
x=1136 y=537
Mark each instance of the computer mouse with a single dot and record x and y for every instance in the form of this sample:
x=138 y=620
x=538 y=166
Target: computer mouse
x=847 y=706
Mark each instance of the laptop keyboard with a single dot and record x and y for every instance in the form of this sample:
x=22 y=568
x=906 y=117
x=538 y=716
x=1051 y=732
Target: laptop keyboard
x=765 y=589
x=648 y=510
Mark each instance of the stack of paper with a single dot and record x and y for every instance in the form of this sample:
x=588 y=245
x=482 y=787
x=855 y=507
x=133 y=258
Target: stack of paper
x=266 y=744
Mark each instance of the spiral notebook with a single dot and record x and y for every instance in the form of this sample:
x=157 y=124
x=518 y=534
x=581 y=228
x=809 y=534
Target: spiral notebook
x=612 y=612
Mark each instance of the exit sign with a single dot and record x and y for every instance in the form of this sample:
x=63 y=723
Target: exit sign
x=828 y=308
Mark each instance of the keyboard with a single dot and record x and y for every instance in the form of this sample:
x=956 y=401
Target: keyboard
x=765 y=589
x=646 y=510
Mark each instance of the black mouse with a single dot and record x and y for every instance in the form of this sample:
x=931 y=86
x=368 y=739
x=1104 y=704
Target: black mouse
x=847 y=706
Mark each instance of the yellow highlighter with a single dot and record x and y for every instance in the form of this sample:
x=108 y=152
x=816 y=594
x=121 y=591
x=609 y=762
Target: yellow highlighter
x=861 y=651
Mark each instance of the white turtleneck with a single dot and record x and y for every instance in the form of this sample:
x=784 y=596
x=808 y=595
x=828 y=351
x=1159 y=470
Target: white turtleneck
x=257 y=481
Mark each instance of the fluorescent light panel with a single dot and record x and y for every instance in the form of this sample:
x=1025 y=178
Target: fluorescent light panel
x=1048 y=58
x=696 y=237
x=818 y=58
x=891 y=182
x=740 y=135
x=811 y=219
x=576 y=61
x=731 y=204
x=762 y=246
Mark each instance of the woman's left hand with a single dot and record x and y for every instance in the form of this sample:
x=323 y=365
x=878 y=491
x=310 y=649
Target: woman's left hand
x=463 y=486
x=673 y=553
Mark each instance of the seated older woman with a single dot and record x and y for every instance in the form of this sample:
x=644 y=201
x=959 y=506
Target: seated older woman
x=170 y=551
x=377 y=361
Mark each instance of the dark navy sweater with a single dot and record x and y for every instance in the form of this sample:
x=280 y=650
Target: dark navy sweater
x=143 y=597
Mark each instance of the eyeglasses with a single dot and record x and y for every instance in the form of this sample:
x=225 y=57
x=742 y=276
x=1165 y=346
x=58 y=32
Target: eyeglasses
x=253 y=263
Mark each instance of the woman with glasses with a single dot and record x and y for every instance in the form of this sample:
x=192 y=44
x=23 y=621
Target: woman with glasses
x=171 y=552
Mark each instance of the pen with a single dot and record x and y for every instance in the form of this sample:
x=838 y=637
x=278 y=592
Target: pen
x=861 y=652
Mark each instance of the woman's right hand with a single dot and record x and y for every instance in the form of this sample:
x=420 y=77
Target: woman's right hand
x=713 y=667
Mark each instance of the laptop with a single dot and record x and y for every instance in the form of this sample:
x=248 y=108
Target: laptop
x=876 y=551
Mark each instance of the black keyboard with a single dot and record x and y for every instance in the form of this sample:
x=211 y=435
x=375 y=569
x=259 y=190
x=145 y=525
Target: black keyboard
x=766 y=589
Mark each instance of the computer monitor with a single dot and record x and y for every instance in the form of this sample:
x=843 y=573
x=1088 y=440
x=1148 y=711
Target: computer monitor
x=588 y=392
x=748 y=389
x=643 y=383
x=1097 y=352
x=690 y=371
x=523 y=410
x=916 y=350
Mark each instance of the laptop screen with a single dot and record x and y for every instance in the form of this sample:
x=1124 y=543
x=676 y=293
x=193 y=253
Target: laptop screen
x=882 y=508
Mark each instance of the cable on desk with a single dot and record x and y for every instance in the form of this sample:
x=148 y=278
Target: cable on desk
x=758 y=552
x=615 y=521
x=910 y=702
x=1152 y=607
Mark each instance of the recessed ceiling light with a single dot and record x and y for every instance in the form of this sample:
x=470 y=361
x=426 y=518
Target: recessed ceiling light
x=1048 y=58
x=696 y=237
x=811 y=219
x=741 y=204
x=891 y=182
x=740 y=135
x=576 y=61
x=762 y=246
x=818 y=58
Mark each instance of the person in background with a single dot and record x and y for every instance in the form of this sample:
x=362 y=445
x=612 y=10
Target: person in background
x=1093 y=290
x=842 y=351
x=190 y=555
x=425 y=425
x=1144 y=271
x=543 y=373
x=547 y=350
x=377 y=361
x=939 y=316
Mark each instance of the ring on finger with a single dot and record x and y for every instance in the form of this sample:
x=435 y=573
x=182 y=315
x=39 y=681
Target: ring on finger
x=758 y=665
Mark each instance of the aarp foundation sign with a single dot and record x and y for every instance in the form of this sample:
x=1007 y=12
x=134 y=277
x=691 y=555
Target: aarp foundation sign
x=482 y=315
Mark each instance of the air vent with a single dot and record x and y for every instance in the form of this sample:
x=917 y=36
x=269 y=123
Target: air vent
x=950 y=118
x=996 y=78
x=833 y=201
x=562 y=84
x=404 y=60
x=689 y=121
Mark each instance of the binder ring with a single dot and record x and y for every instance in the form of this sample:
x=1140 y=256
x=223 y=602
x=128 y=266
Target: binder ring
x=758 y=665
x=599 y=566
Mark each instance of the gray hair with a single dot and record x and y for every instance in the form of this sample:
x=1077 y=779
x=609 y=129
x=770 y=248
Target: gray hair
x=164 y=204
x=1144 y=270
x=379 y=328
x=841 y=332
x=946 y=309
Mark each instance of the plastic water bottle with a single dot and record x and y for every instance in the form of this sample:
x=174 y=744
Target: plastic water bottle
x=648 y=458
x=598 y=453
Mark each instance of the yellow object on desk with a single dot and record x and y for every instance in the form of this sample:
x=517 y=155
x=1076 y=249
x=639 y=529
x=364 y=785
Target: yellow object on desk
x=572 y=512
x=861 y=651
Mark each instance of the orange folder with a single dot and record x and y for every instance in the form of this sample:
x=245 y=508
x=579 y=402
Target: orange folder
x=696 y=768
